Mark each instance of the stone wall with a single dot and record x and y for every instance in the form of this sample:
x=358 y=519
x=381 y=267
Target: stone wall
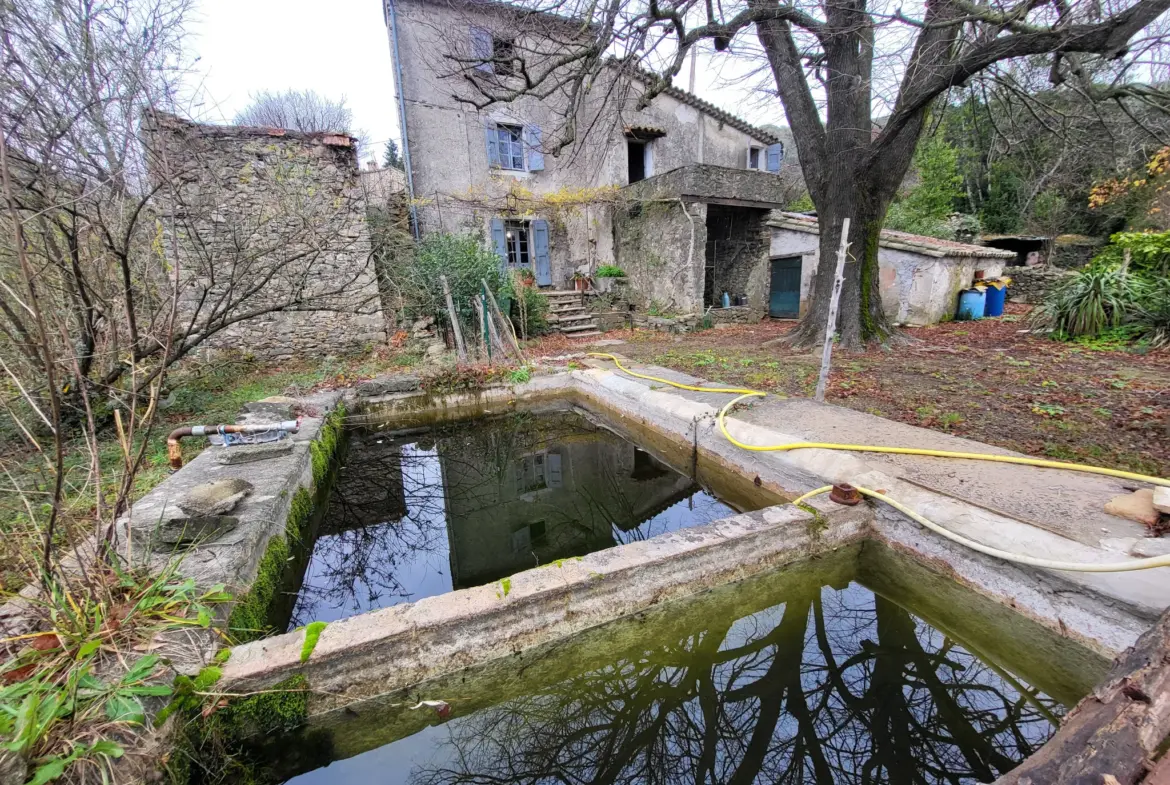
x=1030 y=284
x=660 y=246
x=271 y=237
x=738 y=241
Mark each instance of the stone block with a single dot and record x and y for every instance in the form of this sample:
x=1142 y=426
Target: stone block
x=214 y=498
x=1162 y=499
x=389 y=384
x=182 y=532
x=247 y=453
x=1137 y=506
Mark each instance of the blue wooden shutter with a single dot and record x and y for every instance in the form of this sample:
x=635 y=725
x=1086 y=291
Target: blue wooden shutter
x=500 y=241
x=532 y=142
x=553 y=464
x=775 y=156
x=481 y=49
x=540 y=253
x=493 y=143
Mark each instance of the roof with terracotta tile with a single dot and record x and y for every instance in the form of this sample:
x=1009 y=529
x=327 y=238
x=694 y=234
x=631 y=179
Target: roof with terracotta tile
x=900 y=241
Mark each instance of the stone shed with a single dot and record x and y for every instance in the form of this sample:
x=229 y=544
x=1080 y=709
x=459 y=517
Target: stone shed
x=688 y=235
x=919 y=277
x=270 y=234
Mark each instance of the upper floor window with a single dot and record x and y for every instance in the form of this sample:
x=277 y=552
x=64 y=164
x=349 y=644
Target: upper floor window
x=503 y=56
x=492 y=54
x=514 y=147
x=766 y=159
x=510 y=143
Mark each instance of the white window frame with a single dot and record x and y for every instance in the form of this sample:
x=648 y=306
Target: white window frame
x=514 y=145
x=761 y=154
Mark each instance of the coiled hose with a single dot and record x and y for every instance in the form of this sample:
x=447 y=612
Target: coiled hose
x=742 y=393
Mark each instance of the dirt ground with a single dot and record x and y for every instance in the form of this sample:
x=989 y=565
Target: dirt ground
x=986 y=380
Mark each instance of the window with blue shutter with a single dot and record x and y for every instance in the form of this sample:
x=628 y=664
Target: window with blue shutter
x=540 y=254
x=535 y=154
x=493 y=143
x=481 y=49
x=775 y=157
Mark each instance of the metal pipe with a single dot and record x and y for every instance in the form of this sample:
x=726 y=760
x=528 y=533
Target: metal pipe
x=175 y=451
x=400 y=89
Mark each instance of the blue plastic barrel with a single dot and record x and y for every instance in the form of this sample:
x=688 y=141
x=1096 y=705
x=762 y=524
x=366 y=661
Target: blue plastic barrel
x=995 y=298
x=971 y=304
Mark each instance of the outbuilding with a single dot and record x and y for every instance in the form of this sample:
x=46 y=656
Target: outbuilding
x=919 y=277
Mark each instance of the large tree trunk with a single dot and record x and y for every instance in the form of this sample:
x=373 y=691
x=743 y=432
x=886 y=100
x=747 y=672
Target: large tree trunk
x=861 y=318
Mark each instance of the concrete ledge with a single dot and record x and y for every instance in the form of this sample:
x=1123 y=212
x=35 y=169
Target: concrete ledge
x=384 y=650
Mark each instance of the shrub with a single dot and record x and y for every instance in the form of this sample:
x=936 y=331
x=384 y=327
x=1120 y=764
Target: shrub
x=1153 y=313
x=609 y=271
x=1090 y=301
x=530 y=315
x=464 y=259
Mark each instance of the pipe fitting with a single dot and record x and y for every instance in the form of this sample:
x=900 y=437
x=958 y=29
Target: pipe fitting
x=175 y=450
x=846 y=494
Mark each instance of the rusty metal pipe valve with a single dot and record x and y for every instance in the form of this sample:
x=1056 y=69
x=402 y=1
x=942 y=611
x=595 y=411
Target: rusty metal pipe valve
x=175 y=451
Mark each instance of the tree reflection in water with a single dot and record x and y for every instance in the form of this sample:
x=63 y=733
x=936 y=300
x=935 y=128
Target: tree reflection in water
x=830 y=687
x=384 y=537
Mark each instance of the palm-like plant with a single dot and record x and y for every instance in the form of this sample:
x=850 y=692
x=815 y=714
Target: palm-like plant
x=1090 y=301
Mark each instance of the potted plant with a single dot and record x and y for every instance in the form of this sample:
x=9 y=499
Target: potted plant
x=606 y=276
x=580 y=281
x=526 y=277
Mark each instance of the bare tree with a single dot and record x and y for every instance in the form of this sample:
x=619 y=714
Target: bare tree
x=297 y=110
x=118 y=258
x=830 y=64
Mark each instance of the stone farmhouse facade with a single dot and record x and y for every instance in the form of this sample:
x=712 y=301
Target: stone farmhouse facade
x=493 y=171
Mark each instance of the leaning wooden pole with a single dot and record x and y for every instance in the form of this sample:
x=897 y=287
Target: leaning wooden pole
x=505 y=323
x=831 y=325
x=460 y=347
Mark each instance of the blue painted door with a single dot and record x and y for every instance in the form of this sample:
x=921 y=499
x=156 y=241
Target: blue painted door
x=784 y=300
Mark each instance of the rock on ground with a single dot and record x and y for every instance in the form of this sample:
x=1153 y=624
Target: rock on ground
x=1137 y=506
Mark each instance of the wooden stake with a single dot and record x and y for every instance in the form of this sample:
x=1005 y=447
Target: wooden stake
x=460 y=347
x=506 y=324
x=831 y=326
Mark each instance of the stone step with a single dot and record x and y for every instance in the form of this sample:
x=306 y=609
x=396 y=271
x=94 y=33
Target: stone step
x=584 y=334
x=573 y=317
x=567 y=311
x=576 y=328
x=561 y=293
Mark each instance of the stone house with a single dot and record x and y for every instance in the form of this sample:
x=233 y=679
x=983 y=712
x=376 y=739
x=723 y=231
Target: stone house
x=269 y=227
x=658 y=190
x=919 y=277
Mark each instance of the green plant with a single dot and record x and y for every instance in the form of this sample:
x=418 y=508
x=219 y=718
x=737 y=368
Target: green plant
x=529 y=312
x=1152 y=317
x=1090 y=301
x=520 y=375
x=609 y=271
x=1048 y=409
x=312 y=634
x=949 y=419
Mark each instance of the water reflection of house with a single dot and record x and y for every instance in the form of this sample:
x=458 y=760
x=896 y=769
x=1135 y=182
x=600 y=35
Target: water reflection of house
x=526 y=491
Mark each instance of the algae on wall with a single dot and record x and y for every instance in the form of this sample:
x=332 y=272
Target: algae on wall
x=254 y=611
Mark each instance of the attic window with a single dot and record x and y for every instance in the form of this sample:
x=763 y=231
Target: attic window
x=503 y=56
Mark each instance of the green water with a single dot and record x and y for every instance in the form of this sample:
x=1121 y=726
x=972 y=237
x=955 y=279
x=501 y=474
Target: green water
x=859 y=667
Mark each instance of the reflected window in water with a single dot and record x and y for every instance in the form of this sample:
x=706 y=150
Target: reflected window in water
x=470 y=503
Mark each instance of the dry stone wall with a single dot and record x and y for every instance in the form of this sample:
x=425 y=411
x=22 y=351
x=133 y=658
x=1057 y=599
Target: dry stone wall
x=269 y=230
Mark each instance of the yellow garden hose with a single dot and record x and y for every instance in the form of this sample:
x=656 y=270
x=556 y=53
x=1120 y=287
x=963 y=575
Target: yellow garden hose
x=1047 y=564
x=742 y=393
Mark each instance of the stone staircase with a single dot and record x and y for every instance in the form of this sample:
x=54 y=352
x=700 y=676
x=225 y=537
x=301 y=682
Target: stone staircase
x=567 y=314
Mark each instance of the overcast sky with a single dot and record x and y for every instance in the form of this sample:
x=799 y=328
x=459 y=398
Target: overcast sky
x=340 y=49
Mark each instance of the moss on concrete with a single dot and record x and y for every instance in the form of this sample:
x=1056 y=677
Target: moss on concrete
x=312 y=634
x=250 y=619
